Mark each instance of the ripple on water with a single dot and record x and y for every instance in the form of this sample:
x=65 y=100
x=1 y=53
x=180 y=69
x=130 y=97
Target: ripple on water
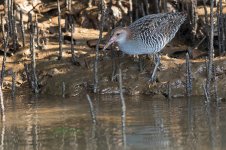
x=52 y=122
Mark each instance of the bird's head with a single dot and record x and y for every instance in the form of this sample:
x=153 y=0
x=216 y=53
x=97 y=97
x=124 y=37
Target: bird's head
x=119 y=35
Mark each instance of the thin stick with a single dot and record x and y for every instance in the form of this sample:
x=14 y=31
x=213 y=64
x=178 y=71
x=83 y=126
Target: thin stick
x=37 y=31
x=3 y=64
x=165 y=6
x=22 y=28
x=3 y=28
x=63 y=89
x=194 y=18
x=86 y=63
x=199 y=43
x=60 y=31
x=157 y=6
x=142 y=9
x=3 y=68
x=131 y=10
x=205 y=9
x=5 y=41
x=74 y=59
x=147 y=6
x=113 y=64
x=211 y=50
x=206 y=93
x=92 y=112
x=2 y=73
x=2 y=105
x=95 y=88
x=68 y=15
x=221 y=29
x=215 y=84
x=67 y=24
x=33 y=60
x=169 y=91
x=137 y=10
x=206 y=64
x=27 y=71
x=72 y=43
x=224 y=26
x=5 y=6
x=14 y=33
x=10 y=17
x=1 y=83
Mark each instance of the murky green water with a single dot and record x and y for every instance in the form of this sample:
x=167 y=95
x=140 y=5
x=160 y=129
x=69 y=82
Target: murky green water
x=53 y=123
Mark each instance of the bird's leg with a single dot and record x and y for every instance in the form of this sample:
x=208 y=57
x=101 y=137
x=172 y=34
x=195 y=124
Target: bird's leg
x=157 y=62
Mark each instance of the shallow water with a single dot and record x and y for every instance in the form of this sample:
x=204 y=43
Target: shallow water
x=51 y=123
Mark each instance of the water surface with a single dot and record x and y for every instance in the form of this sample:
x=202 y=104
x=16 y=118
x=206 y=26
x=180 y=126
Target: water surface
x=50 y=123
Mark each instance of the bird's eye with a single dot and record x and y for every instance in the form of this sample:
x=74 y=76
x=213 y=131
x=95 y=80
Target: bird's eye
x=117 y=34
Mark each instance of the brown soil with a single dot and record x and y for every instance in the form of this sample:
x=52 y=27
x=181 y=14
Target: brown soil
x=52 y=72
x=79 y=78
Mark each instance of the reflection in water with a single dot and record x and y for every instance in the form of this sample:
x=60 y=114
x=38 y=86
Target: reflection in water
x=91 y=109
x=35 y=127
x=123 y=122
x=31 y=120
x=212 y=131
x=123 y=111
x=92 y=140
x=52 y=123
x=2 y=135
x=2 y=106
x=190 y=114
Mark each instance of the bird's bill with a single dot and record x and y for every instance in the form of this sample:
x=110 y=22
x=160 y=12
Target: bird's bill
x=112 y=40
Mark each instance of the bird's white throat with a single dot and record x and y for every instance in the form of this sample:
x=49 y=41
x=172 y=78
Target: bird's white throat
x=122 y=38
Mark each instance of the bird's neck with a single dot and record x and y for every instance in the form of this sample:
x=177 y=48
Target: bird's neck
x=129 y=34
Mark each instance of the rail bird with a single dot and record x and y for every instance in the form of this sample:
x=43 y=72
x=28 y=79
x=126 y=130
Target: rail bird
x=148 y=35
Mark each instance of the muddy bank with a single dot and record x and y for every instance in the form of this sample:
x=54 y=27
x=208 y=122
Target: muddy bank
x=52 y=73
x=172 y=74
x=78 y=77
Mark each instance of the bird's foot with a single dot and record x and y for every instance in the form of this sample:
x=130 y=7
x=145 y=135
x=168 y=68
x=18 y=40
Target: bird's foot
x=152 y=79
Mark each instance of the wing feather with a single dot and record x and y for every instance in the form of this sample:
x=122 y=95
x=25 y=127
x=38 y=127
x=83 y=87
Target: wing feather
x=164 y=23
